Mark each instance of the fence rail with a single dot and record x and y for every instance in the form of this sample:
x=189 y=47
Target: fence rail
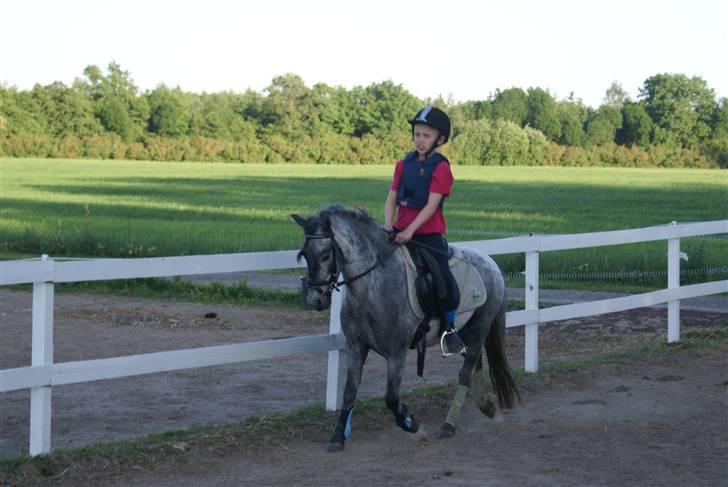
x=43 y=373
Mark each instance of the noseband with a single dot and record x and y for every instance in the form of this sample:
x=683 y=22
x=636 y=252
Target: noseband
x=331 y=282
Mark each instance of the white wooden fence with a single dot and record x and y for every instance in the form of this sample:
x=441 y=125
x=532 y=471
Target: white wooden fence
x=43 y=373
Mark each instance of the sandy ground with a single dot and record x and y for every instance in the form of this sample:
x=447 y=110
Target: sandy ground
x=654 y=424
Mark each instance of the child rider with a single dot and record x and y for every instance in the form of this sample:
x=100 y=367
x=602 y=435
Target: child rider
x=413 y=209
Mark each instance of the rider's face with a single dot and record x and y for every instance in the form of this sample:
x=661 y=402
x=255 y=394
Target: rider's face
x=424 y=138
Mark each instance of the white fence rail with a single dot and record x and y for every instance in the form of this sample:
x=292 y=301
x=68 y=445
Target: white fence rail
x=43 y=373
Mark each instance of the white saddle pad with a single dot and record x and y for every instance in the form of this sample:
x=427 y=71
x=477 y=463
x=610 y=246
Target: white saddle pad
x=472 y=288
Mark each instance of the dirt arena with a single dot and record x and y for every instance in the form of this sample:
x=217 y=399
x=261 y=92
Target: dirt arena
x=654 y=423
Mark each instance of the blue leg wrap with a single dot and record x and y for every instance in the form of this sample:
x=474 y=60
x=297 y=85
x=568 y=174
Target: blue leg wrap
x=405 y=420
x=347 y=428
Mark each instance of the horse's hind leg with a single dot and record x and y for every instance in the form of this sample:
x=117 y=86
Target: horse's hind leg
x=452 y=421
x=356 y=358
x=395 y=366
x=478 y=386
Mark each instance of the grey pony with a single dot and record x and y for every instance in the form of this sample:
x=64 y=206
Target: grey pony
x=376 y=315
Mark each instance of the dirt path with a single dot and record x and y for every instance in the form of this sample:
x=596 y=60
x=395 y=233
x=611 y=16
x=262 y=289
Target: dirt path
x=664 y=422
x=642 y=425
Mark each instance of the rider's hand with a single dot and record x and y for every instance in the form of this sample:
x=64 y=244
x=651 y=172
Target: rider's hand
x=391 y=232
x=403 y=237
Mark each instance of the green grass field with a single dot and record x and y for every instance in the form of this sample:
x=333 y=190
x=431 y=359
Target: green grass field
x=78 y=208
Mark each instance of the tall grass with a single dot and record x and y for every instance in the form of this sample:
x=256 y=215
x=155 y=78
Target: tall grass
x=137 y=208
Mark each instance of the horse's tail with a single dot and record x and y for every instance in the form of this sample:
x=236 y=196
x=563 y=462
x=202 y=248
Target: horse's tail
x=500 y=371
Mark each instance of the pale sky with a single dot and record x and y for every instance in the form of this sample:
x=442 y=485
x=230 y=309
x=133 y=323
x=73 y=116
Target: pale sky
x=465 y=49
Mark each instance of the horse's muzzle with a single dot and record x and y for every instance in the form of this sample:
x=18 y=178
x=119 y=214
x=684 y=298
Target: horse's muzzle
x=313 y=297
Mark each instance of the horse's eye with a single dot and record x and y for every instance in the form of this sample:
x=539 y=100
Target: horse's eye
x=326 y=258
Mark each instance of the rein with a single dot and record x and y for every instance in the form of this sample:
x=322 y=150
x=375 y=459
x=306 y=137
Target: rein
x=392 y=233
x=333 y=284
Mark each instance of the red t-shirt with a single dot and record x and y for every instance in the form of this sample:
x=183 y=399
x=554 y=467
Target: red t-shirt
x=441 y=183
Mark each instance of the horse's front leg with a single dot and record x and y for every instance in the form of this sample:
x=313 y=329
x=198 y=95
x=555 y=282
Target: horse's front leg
x=395 y=366
x=356 y=358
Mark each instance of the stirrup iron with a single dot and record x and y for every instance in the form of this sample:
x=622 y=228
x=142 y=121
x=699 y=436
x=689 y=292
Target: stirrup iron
x=443 y=348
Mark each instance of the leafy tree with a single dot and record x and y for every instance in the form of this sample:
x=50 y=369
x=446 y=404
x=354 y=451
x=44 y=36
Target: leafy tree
x=471 y=145
x=114 y=117
x=226 y=116
x=720 y=120
x=285 y=106
x=681 y=107
x=537 y=147
x=383 y=109
x=543 y=113
x=115 y=85
x=20 y=113
x=572 y=117
x=334 y=107
x=169 y=113
x=473 y=110
x=718 y=145
x=616 y=96
x=511 y=105
x=509 y=145
x=637 y=126
x=69 y=112
x=602 y=125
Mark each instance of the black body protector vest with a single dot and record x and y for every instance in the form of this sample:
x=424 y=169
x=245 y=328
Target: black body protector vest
x=414 y=186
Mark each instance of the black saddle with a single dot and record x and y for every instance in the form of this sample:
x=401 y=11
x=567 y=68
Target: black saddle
x=430 y=284
x=430 y=288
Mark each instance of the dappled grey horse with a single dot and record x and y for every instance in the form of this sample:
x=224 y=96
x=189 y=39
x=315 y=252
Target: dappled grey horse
x=376 y=314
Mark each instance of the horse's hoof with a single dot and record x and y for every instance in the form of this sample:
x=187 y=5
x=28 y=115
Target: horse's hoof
x=414 y=426
x=447 y=431
x=488 y=409
x=408 y=424
x=334 y=447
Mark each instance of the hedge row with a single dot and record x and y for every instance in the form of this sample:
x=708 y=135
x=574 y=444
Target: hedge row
x=505 y=146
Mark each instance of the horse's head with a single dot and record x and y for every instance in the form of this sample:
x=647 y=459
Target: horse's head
x=321 y=253
x=339 y=240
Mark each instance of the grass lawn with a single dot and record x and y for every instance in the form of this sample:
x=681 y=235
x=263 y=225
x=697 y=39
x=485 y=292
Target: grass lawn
x=78 y=208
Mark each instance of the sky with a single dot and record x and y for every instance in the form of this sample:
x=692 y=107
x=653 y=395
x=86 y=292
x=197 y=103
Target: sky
x=457 y=49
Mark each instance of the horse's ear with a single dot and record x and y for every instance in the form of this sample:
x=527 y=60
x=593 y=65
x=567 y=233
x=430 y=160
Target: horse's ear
x=298 y=219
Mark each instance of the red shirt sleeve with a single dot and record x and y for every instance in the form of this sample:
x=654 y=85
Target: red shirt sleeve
x=442 y=180
x=397 y=175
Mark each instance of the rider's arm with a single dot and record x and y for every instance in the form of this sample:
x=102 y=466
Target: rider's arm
x=390 y=209
x=433 y=200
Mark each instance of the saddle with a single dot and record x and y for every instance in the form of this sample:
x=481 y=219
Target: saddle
x=425 y=288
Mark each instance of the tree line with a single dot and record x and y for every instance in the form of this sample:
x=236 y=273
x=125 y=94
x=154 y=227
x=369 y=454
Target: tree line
x=676 y=121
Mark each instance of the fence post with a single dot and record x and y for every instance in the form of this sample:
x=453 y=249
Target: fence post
x=531 y=334
x=41 y=355
x=673 y=282
x=336 y=374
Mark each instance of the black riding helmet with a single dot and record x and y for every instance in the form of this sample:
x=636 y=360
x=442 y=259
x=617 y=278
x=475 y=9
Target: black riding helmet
x=435 y=118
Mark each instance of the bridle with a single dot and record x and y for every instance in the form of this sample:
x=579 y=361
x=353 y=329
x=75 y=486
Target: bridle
x=331 y=282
